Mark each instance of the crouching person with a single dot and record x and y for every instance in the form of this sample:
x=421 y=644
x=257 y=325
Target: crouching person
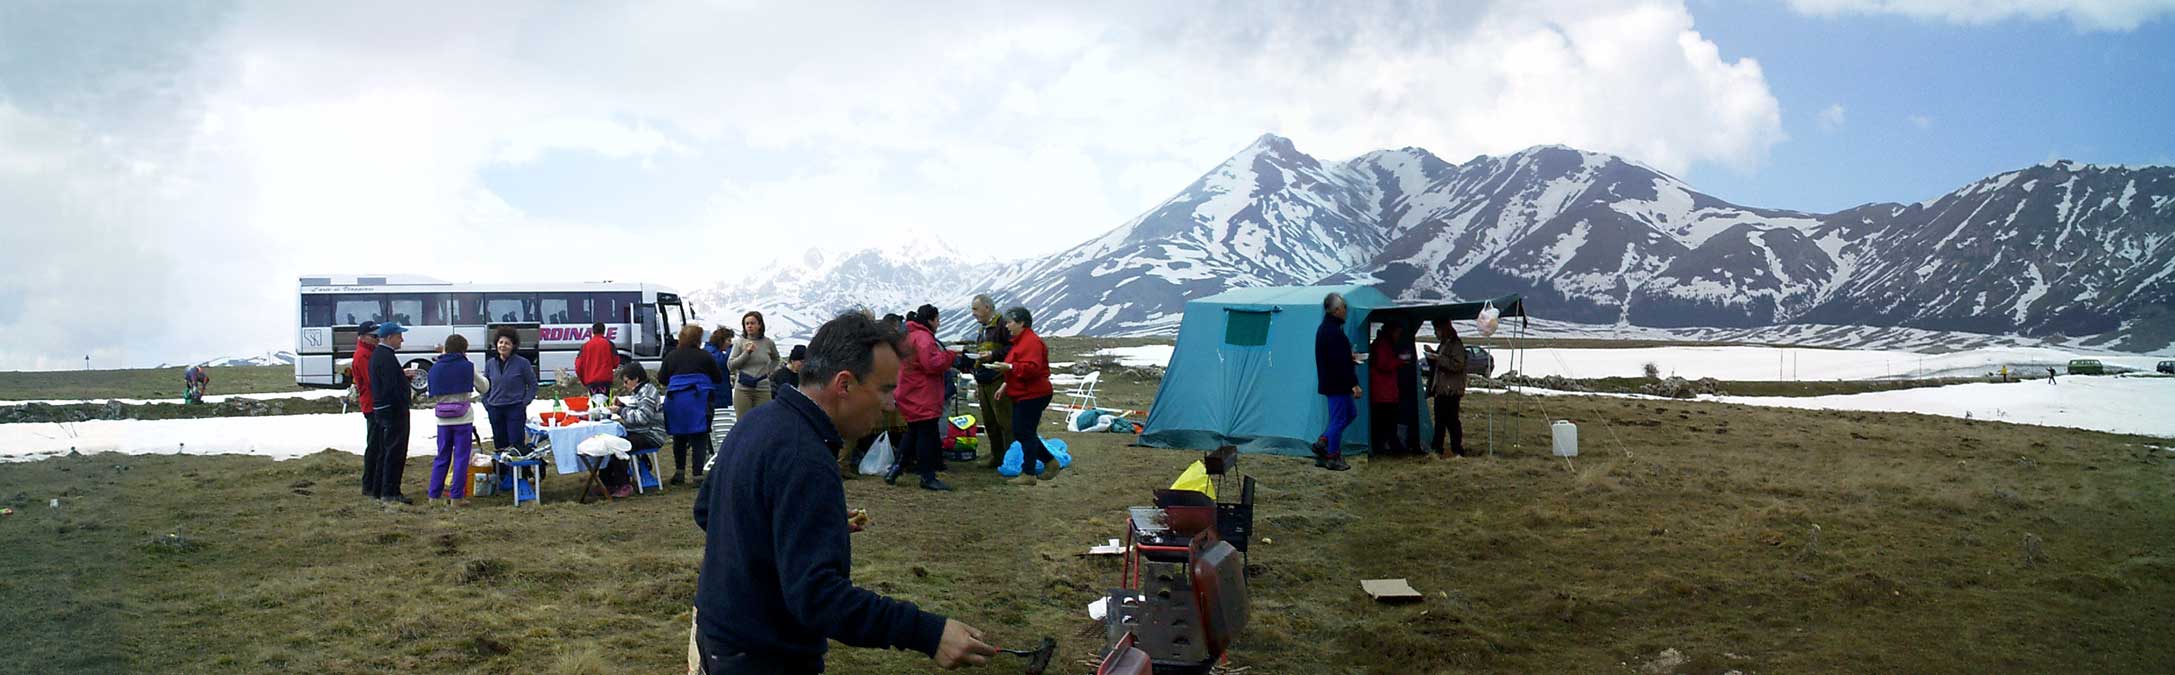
x=777 y=575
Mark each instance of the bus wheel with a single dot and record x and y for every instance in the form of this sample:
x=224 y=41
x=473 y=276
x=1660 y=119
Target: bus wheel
x=420 y=385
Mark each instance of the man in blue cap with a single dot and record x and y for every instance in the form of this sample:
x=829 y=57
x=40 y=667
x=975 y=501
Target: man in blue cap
x=389 y=395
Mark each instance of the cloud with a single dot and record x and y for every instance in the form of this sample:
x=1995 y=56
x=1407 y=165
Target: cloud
x=280 y=139
x=1831 y=117
x=2085 y=15
x=1920 y=121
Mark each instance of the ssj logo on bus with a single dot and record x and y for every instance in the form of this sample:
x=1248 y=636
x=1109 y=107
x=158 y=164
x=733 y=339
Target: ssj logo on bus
x=572 y=333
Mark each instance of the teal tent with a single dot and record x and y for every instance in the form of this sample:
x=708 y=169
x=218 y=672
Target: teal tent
x=1243 y=371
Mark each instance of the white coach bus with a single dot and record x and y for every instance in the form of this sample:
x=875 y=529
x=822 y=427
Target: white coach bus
x=553 y=320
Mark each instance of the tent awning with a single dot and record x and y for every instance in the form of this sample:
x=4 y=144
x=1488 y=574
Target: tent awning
x=1411 y=313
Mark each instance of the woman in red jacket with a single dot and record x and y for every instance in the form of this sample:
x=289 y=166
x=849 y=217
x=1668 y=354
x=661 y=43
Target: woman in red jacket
x=1027 y=381
x=1385 y=389
x=920 y=399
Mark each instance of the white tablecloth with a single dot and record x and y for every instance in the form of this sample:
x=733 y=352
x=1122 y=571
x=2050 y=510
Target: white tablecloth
x=565 y=440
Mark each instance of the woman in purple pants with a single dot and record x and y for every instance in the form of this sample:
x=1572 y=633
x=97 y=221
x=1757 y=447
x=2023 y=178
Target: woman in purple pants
x=454 y=383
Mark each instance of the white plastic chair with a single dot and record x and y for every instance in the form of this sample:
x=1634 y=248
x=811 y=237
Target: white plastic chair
x=1082 y=394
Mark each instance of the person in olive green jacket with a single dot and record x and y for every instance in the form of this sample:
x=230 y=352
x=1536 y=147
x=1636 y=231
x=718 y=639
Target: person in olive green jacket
x=995 y=341
x=1448 y=389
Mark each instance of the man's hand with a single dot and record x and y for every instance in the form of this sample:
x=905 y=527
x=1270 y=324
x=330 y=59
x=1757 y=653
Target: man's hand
x=962 y=646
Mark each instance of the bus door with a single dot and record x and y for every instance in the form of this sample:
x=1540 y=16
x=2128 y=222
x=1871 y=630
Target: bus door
x=646 y=342
x=674 y=316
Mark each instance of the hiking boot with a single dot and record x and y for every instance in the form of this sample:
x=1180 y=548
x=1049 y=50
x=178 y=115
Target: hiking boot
x=1338 y=464
x=622 y=492
x=397 y=499
x=1024 y=480
x=678 y=479
x=1050 y=471
x=935 y=485
x=1320 y=448
x=891 y=475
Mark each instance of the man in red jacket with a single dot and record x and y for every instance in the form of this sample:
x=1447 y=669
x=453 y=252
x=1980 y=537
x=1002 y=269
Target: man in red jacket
x=358 y=370
x=597 y=361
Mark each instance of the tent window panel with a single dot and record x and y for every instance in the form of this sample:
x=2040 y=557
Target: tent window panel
x=1246 y=329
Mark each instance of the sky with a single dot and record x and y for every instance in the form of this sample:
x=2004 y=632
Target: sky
x=167 y=170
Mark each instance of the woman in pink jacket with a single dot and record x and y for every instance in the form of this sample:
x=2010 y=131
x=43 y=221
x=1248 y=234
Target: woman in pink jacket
x=920 y=399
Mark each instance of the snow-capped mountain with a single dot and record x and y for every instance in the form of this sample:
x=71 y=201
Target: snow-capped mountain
x=2057 y=249
x=1268 y=216
x=797 y=297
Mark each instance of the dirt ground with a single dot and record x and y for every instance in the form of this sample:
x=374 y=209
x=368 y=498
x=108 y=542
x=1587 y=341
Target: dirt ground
x=1756 y=540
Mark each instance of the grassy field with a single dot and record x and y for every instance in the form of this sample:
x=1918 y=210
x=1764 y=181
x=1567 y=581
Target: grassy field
x=1760 y=540
x=139 y=383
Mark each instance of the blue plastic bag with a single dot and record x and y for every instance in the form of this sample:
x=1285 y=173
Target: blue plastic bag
x=1012 y=457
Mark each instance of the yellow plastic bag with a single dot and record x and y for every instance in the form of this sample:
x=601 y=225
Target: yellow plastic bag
x=1195 y=478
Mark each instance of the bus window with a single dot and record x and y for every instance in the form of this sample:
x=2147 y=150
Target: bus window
x=510 y=308
x=468 y=309
x=615 y=307
x=354 y=309
x=316 y=311
x=434 y=310
x=408 y=310
x=566 y=307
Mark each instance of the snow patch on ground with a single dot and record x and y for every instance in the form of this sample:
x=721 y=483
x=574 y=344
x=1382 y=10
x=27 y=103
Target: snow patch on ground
x=274 y=436
x=2122 y=405
x=1144 y=356
x=307 y=393
x=1800 y=364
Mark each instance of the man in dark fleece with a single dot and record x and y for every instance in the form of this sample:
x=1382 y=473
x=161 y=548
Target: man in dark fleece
x=1337 y=380
x=776 y=580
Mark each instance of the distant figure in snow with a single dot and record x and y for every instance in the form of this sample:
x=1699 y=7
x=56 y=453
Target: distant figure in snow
x=2050 y=375
x=194 y=382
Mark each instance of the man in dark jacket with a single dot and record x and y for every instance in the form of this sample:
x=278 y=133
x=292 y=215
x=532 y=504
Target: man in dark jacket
x=776 y=581
x=1337 y=380
x=358 y=369
x=789 y=375
x=389 y=395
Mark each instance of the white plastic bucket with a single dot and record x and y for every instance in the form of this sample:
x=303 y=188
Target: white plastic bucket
x=1566 y=435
